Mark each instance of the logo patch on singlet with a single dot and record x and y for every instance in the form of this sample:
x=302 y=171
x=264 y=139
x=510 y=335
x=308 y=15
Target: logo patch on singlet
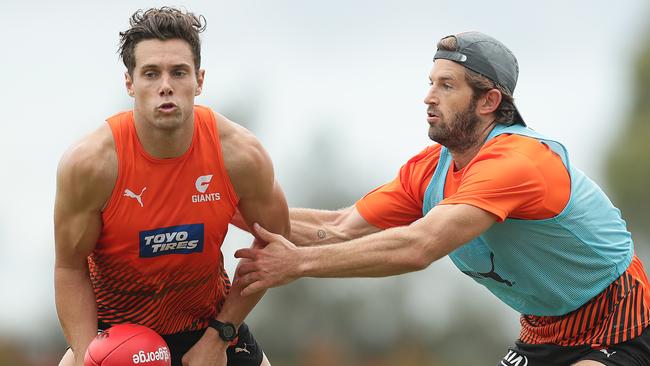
x=138 y=197
x=202 y=183
x=181 y=239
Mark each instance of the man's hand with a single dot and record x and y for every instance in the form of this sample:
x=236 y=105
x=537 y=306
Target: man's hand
x=278 y=263
x=210 y=350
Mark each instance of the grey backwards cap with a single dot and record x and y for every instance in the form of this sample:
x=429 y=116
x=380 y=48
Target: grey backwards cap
x=487 y=56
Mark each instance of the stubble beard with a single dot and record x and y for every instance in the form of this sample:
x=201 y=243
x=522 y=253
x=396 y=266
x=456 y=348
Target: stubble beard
x=458 y=134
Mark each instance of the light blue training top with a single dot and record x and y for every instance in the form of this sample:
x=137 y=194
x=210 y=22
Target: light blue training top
x=545 y=267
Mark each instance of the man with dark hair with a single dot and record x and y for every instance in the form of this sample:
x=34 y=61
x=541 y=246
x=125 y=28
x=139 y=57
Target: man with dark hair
x=507 y=206
x=144 y=202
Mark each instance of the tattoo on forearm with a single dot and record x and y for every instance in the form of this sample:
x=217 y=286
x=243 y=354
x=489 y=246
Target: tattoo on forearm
x=321 y=234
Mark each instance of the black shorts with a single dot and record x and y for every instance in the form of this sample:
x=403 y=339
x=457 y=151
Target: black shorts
x=247 y=352
x=635 y=352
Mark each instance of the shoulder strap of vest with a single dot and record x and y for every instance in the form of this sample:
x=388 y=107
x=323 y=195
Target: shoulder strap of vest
x=518 y=129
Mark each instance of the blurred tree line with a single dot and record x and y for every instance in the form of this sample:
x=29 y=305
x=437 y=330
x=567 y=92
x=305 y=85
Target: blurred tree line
x=628 y=166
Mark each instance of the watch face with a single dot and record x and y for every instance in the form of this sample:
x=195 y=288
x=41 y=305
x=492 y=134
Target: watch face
x=228 y=331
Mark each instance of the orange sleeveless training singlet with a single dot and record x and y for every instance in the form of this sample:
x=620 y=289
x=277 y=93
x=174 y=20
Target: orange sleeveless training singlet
x=158 y=260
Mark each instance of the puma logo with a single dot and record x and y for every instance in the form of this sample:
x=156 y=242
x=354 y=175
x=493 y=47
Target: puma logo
x=607 y=352
x=491 y=275
x=514 y=359
x=138 y=197
x=239 y=349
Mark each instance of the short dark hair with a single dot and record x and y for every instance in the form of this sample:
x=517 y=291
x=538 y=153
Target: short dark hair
x=480 y=84
x=163 y=24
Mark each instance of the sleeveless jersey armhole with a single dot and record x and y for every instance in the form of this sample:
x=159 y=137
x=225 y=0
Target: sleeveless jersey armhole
x=214 y=129
x=115 y=123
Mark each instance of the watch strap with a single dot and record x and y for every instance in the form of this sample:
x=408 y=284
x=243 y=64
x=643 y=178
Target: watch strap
x=227 y=331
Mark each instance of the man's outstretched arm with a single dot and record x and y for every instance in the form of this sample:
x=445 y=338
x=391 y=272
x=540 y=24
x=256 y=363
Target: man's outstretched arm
x=386 y=253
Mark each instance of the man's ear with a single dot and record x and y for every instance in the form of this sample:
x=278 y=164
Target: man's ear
x=200 y=76
x=490 y=101
x=128 y=82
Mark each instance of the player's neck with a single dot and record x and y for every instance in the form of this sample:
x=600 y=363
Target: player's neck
x=165 y=143
x=462 y=158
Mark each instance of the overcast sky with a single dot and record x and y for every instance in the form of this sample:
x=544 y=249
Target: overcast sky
x=357 y=70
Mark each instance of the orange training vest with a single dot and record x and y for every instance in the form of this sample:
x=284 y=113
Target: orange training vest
x=158 y=260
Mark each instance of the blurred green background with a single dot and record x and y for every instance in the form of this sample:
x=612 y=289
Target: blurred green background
x=334 y=90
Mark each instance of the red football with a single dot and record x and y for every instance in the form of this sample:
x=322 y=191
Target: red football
x=127 y=344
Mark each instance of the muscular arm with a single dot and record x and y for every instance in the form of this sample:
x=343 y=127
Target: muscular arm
x=83 y=186
x=260 y=200
x=386 y=253
x=401 y=249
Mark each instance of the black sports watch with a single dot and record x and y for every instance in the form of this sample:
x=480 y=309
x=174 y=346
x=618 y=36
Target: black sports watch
x=227 y=331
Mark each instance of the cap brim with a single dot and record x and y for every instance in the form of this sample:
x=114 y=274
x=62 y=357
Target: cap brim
x=517 y=117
